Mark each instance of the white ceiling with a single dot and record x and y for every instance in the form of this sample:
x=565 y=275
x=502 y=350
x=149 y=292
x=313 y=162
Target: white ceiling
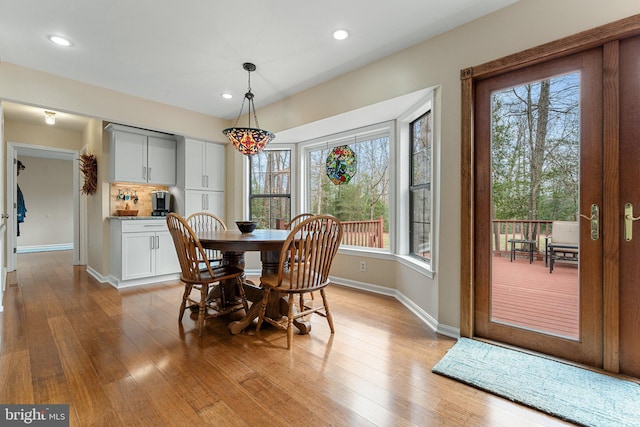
x=186 y=53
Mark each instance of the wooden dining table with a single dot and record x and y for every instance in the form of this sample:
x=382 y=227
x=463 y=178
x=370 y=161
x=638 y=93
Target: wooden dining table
x=233 y=244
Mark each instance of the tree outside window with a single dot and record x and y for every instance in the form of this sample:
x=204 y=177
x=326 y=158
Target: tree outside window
x=366 y=196
x=270 y=187
x=420 y=187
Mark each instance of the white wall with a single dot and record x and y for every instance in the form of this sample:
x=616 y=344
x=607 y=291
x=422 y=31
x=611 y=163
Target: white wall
x=47 y=186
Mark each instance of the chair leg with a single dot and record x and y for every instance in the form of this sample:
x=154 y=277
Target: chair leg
x=243 y=296
x=202 y=308
x=223 y=297
x=263 y=309
x=290 y=321
x=183 y=306
x=326 y=309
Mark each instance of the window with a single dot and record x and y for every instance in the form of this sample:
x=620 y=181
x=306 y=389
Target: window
x=420 y=187
x=270 y=187
x=362 y=205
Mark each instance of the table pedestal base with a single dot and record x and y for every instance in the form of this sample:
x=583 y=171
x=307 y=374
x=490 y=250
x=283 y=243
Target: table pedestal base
x=277 y=306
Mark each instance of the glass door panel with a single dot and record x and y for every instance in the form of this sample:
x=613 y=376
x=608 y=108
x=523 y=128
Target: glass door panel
x=535 y=164
x=538 y=156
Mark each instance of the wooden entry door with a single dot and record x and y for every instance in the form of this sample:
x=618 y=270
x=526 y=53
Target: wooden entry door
x=629 y=177
x=585 y=346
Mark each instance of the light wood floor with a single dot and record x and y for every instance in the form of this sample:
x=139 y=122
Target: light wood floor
x=119 y=358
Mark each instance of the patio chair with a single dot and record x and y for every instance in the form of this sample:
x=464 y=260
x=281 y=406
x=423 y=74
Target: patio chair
x=563 y=244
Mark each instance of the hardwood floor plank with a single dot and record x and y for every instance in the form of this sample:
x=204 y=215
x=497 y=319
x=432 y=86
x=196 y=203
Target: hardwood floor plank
x=15 y=372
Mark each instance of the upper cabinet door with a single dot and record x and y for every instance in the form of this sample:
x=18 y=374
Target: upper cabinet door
x=215 y=167
x=204 y=165
x=194 y=164
x=129 y=157
x=141 y=156
x=161 y=165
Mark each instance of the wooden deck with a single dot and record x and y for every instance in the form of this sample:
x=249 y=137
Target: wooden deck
x=527 y=295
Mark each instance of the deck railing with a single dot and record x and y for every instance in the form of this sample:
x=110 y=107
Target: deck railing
x=520 y=229
x=363 y=233
x=358 y=233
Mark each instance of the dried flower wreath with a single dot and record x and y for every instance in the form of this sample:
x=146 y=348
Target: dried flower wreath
x=89 y=167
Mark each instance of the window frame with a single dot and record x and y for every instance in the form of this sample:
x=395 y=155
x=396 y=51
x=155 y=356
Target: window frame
x=430 y=102
x=414 y=188
x=345 y=138
x=247 y=196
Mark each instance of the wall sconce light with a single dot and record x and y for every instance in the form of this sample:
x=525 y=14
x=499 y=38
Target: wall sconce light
x=50 y=117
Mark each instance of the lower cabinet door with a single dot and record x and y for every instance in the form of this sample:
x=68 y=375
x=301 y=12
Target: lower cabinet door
x=138 y=255
x=166 y=257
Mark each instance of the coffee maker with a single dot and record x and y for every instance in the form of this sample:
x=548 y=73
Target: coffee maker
x=160 y=202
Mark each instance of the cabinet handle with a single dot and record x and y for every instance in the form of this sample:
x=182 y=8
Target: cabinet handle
x=157 y=242
x=144 y=172
x=152 y=242
x=207 y=180
x=149 y=174
x=207 y=196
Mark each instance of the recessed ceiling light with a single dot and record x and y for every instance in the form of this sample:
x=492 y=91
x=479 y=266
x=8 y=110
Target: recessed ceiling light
x=340 y=34
x=226 y=95
x=60 y=41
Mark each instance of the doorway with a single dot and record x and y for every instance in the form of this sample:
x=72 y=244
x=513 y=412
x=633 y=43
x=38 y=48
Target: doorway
x=607 y=60
x=16 y=150
x=539 y=159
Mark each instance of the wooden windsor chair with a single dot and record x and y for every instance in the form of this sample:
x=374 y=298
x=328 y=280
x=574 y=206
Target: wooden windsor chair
x=305 y=261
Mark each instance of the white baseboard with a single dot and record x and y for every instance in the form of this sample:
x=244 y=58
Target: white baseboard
x=93 y=273
x=426 y=318
x=44 y=248
x=121 y=284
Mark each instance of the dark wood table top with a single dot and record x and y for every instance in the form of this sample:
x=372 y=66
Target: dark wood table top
x=233 y=240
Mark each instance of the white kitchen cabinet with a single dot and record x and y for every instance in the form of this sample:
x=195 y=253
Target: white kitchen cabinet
x=204 y=165
x=207 y=201
x=140 y=156
x=142 y=251
x=200 y=183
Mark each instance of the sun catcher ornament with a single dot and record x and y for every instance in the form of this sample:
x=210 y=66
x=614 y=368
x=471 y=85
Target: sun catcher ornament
x=341 y=165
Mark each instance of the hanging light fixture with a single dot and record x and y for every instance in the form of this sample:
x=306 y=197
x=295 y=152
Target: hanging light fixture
x=249 y=140
x=50 y=117
x=341 y=165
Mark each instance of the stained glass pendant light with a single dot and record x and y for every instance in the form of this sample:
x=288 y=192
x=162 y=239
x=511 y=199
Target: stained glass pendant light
x=341 y=165
x=249 y=140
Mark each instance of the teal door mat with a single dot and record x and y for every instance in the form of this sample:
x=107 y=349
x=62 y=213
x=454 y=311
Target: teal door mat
x=567 y=392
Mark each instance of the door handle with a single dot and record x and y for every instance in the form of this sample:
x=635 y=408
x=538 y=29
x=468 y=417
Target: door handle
x=628 y=221
x=594 y=218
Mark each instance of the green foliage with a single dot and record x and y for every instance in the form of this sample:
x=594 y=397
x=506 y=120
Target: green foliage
x=535 y=148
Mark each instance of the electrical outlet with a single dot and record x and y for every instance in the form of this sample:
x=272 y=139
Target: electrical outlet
x=363 y=265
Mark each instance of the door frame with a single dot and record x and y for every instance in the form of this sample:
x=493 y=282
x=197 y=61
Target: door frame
x=606 y=36
x=15 y=149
